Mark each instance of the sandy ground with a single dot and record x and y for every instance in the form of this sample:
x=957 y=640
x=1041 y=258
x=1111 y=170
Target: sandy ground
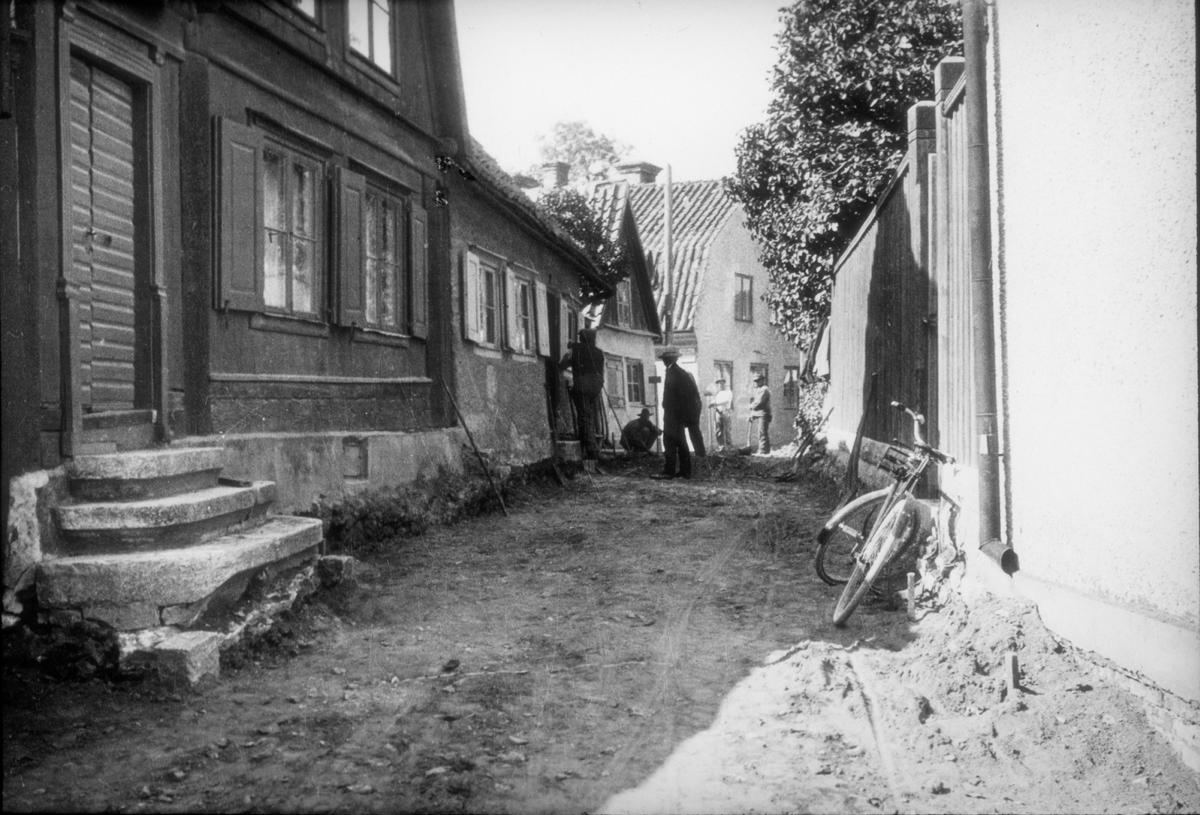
x=619 y=644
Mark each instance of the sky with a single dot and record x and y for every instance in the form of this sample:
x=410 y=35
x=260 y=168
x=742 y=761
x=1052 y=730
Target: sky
x=676 y=80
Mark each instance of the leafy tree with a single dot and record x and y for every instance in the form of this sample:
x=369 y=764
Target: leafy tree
x=581 y=147
x=847 y=73
x=574 y=213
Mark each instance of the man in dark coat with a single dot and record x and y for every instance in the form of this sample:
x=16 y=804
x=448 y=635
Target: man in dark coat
x=587 y=370
x=681 y=416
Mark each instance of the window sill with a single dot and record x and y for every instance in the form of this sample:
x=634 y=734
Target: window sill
x=373 y=336
x=304 y=327
x=361 y=65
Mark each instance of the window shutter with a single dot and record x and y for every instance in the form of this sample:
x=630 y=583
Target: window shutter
x=419 y=246
x=543 y=321
x=351 y=199
x=510 y=309
x=239 y=272
x=471 y=328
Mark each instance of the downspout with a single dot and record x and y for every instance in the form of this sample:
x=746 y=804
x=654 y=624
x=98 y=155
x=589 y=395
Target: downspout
x=983 y=336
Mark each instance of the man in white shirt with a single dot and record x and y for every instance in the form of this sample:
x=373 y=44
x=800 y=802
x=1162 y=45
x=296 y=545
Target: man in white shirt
x=721 y=404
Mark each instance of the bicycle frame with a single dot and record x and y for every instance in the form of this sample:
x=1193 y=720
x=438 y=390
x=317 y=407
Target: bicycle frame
x=918 y=462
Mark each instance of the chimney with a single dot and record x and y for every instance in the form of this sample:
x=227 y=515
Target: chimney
x=641 y=172
x=554 y=174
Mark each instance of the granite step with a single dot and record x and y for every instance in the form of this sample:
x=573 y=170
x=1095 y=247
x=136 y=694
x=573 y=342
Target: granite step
x=169 y=586
x=145 y=474
x=170 y=522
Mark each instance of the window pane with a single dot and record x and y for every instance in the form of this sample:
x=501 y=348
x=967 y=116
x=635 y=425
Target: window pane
x=303 y=261
x=274 y=270
x=371 y=268
x=308 y=7
x=387 y=267
x=274 y=210
x=303 y=202
x=381 y=35
x=360 y=26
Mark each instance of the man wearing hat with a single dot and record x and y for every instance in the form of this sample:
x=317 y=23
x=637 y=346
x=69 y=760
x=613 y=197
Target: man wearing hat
x=638 y=435
x=721 y=404
x=760 y=409
x=681 y=416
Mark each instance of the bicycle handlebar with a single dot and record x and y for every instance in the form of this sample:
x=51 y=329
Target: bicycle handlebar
x=919 y=440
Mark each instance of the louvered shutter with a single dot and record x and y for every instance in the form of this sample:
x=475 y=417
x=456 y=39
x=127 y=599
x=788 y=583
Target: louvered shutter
x=351 y=281
x=419 y=246
x=542 y=314
x=239 y=272
x=471 y=297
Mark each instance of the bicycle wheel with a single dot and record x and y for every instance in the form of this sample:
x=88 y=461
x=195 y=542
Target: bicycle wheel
x=892 y=536
x=843 y=536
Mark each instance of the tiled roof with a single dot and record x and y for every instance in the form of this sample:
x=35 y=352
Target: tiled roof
x=609 y=200
x=699 y=209
x=487 y=170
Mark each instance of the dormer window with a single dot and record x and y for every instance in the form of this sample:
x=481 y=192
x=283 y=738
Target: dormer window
x=371 y=31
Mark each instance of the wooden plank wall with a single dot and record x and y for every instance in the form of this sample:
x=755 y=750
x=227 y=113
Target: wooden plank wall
x=951 y=271
x=880 y=309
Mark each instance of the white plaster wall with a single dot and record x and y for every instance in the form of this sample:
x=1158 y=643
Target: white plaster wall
x=630 y=344
x=720 y=337
x=1095 y=162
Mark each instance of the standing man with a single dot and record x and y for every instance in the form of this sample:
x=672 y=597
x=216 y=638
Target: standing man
x=721 y=405
x=681 y=416
x=586 y=362
x=760 y=408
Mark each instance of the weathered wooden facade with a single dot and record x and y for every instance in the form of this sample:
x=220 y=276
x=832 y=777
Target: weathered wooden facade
x=245 y=225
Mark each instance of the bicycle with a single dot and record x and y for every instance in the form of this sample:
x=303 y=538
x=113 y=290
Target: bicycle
x=864 y=537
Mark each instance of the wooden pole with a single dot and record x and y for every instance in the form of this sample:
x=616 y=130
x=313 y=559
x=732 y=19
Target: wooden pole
x=670 y=286
x=478 y=454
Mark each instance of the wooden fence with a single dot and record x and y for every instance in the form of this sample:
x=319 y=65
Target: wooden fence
x=901 y=295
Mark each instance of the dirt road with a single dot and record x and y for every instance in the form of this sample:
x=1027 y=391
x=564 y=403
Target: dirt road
x=555 y=660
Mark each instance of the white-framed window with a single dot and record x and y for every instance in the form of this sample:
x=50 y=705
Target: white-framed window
x=635 y=381
x=483 y=303
x=384 y=256
x=743 y=298
x=504 y=306
x=277 y=238
x=370 y=29
x=791 y=387
x=624 y=304
x=290 y=221
x=523 y=319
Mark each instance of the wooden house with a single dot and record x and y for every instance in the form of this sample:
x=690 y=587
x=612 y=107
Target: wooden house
x=250 y=253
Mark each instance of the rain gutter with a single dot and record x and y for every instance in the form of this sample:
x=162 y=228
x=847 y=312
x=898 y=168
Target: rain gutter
x=975 y=36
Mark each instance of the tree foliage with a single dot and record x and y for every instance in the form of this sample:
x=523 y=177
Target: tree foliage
x=574 y=213
x=847 y=73
x=582 y=148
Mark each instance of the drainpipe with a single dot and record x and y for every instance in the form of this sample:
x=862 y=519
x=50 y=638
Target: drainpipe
x=670 y=310
x=975 y=37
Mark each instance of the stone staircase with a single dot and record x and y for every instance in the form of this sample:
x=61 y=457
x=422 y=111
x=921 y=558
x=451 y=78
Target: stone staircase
x=154 y=538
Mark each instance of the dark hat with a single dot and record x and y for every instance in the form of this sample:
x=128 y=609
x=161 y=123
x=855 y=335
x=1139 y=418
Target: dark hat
x=668 y=351
x=645 y=412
